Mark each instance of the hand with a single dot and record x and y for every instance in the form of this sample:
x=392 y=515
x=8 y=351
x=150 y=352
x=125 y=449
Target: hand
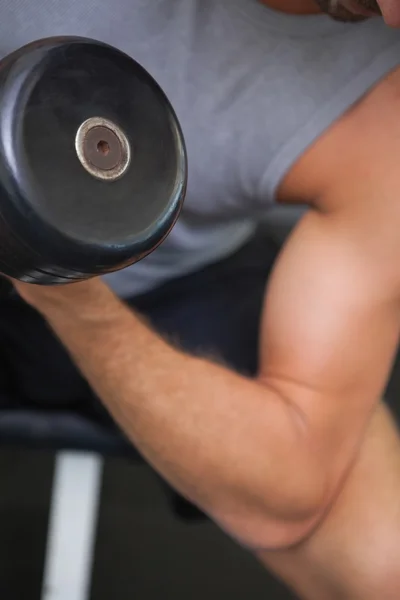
x=83 y=298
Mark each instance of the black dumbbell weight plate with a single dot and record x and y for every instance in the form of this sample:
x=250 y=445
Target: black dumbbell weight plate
x=93 y=165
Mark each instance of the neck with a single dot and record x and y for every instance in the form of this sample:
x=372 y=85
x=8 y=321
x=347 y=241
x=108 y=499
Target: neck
x=294 y=7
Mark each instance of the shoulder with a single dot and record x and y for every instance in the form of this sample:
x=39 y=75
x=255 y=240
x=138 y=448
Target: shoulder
x=363 y=143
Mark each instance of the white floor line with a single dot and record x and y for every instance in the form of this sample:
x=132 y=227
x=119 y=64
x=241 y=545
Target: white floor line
x=72 y=526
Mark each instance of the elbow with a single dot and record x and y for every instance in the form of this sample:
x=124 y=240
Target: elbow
x=262 y=533
x=278 y=504
x=284 y=522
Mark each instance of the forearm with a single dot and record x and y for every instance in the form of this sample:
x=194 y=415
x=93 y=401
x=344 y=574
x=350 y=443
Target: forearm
x=230 y=444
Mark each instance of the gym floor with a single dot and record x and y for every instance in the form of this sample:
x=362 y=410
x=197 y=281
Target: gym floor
x=143 y=552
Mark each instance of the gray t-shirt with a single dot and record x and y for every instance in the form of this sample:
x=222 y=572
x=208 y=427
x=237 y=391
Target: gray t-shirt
x=252 y=88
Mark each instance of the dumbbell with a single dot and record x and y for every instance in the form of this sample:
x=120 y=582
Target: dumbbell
x=93 y=166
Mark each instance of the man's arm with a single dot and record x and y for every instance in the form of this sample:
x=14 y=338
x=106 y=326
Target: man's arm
x=264 y=457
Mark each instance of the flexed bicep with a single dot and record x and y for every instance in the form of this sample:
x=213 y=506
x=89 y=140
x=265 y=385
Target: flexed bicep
x=330 y=327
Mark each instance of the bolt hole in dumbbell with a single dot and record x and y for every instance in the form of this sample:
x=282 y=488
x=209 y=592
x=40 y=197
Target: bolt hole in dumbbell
x=103 y=147
x=112 y=201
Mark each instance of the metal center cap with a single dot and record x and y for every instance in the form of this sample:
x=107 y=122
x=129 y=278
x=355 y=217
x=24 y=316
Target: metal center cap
x=103 y=149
